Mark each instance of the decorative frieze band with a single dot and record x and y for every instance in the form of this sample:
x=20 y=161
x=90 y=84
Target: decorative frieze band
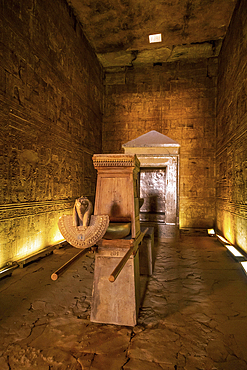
x=17 y=210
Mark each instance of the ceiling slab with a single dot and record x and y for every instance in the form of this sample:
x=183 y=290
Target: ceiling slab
x=119 y=30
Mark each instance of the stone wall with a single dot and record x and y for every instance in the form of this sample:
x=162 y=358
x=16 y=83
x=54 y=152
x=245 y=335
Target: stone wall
x=231 y=154
x=51 y=96
x=178 y=100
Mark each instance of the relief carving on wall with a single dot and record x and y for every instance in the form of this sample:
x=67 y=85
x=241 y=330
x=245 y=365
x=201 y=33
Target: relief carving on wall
x=40 y=176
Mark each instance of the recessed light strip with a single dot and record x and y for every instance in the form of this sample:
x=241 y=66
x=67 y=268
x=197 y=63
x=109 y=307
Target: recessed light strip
x=234 y=251
x=222 y=239
x=244 y=266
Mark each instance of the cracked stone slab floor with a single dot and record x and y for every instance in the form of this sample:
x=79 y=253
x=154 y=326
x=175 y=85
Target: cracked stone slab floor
x=193 y=316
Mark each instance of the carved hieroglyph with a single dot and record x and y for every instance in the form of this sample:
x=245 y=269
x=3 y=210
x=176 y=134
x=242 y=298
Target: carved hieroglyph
x=81 y=229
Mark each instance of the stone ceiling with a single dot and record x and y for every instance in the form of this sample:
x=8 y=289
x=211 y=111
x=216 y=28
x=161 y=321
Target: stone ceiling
x=118 y=30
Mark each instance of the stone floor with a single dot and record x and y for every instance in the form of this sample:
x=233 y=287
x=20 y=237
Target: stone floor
x=193 y=317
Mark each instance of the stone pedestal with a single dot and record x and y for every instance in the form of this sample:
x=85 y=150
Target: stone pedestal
x=115 y=302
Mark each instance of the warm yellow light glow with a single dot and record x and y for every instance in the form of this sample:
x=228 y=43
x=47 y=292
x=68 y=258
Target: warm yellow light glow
x=244 y=265
x=227 y=227
x=38 y=242
x=211 y=232
x=222 y=239
x=57 y=237
x=240 y=233
x=30 y=245
x=2 y=262
x=155 y=38
x=27 y=236
x=234 y=251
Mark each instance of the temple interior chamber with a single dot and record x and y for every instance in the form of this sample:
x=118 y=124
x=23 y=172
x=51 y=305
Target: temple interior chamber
x=165 y=82
x=68 y=92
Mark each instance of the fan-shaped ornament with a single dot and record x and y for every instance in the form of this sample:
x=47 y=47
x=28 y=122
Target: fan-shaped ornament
x=82 y=230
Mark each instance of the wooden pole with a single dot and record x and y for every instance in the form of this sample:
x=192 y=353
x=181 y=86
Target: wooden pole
x=121 y=264
x=59 y=272
x=125 y=258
